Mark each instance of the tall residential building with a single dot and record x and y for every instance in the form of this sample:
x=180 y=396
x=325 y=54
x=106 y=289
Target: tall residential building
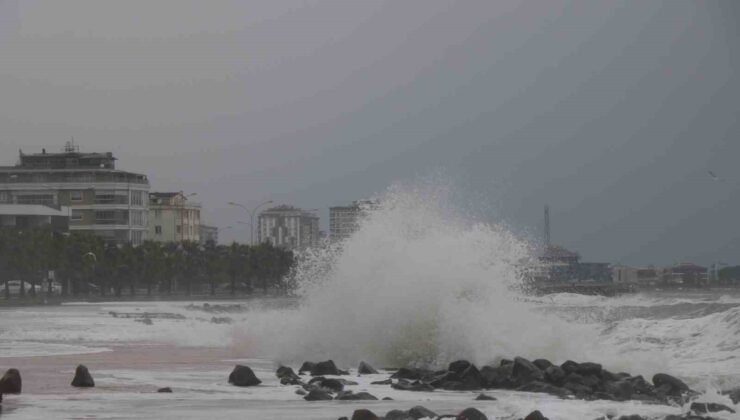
x=34 y=216
x=345 y=220
x=288 y=227
x=173 y=218
x=103 y=200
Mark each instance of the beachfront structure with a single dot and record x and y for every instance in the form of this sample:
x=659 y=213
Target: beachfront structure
x=208 y=234
x=34 y=216
x=173 y=218
x=345 y=220
x=288 y=227
x=102 y=200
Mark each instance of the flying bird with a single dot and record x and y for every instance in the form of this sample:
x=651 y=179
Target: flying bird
x=714 y=176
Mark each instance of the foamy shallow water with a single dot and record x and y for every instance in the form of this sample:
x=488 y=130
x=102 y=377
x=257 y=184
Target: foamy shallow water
x=696 y=351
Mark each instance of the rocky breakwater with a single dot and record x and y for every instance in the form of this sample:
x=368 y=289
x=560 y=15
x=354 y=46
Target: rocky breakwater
x=588 y=381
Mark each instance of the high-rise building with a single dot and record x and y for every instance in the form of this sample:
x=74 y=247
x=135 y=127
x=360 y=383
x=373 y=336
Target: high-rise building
x=103 y=200
x=173 y=218
x=345 y=220
x=288 y=227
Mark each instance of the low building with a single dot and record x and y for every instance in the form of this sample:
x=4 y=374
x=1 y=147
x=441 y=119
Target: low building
x=208 y=234
x=104 y=201
x=34 y=216
x=288 y=227
x=173 y=218
x=687 y=274
x=345 y=220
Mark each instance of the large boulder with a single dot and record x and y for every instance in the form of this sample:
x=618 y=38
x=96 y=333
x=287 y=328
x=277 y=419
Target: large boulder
x=555 y=375
x=306 y=367
x=330 y=384
x=364 y=414
x=287 y=376
x=458 y=366
x=670 y=384
x=411 y=373
x=535 y=415
x=465 y=378
x=398 y=415
x=318 y=395
x=419 y=412
x=620 y=390
x=543 y=364
x=82 y=378
x=243 y=376
x=11 y=382
x=544 y=388
x=366 y=369
x=589 y=368
x=525 y=371
x=569 y=366
x=471 y=414
x=326 y=368
x=485 y=397
x=359 y=396
x=497 y=377
x=404 y=385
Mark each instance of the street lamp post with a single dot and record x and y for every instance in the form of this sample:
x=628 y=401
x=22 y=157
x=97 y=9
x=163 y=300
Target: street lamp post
x=251 y=216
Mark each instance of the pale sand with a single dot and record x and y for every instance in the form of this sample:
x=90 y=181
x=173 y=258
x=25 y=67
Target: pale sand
x=53 y=374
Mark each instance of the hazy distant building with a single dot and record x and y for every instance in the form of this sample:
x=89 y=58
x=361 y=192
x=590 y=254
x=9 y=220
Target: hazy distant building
x=634 y=275
x=288 y=227
x=686 y=274
x=34 y=216
x=103 y=200
x=208 y=233
x=173 y=218
x=345 y=220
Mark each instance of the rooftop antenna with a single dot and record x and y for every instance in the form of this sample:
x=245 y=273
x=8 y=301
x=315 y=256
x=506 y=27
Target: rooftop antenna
x=71 y=147
x=547 y=225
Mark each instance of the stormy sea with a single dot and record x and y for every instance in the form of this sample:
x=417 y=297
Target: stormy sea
x=420 y=285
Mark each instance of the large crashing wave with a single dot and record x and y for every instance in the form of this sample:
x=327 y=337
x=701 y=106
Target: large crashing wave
x=418 y=284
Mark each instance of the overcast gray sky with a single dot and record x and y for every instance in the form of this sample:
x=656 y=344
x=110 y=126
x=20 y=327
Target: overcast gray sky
x=612 y=112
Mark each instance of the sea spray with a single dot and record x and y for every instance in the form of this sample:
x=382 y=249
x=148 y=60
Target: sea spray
x=418 y=283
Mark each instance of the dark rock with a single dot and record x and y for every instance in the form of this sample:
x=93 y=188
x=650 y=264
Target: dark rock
x=398 y=415
x=318 y=395
x=605 y=375
x=331 y=384
x=543 y=364
x=458 y=366
x=326 y=368
x=544 y=388
x=243 y=376
x=505 y=362
x=300 y=391
x=287 y=376
x=620 y=390
x=485 y=397
x=471 y=414
x=11 y=382
x=525 y=371
x=420 y=412
x=366 y=369
x=82 y=378
x=734 y=395
x=403 y=385
x=555 y=375
x=703 y=408
x=631 y=417
x=569 y=367
x=351 y=396
x=579 y=390
x=383 y=382
x=467 y=379
x=589 y=368
x=671 y=384
x=364 y=414
x=640 y=385
x=306 y=367
x=535 y=415
x=497 y=377
x=165 y=390
x=387 y=399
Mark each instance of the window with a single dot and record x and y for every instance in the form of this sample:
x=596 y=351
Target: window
x=76 y=216
x=75 y=196
x=157 y=214
x=179 y=229
x=136 y=198
x=47 y=199
x=158 y=230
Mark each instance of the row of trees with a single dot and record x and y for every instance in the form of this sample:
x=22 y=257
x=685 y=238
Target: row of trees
x=86 y=264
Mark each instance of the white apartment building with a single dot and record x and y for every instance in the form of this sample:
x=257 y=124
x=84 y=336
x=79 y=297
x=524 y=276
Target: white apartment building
x=288 y=227
x=345 y=220
x=173 y=218
x=102 y=200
